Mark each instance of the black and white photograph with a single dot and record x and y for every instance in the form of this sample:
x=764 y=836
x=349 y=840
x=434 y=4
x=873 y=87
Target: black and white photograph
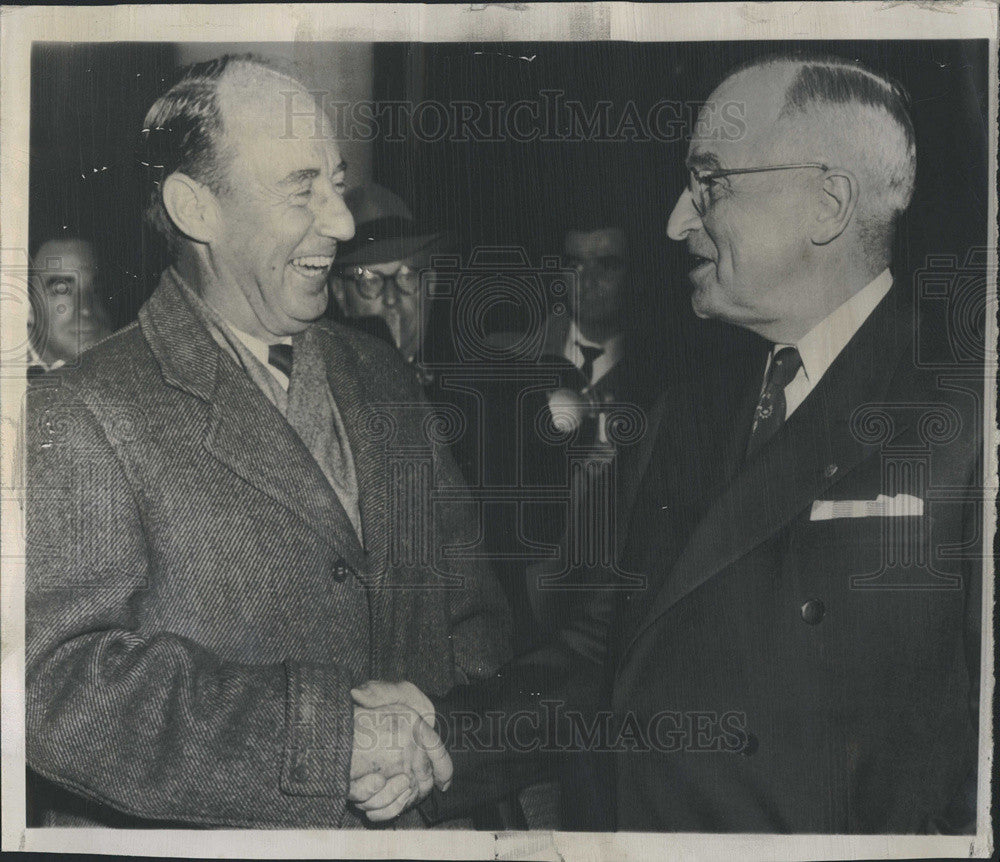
x=519 y=431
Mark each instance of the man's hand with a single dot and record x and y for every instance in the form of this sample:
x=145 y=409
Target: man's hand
x=396 y=760
x=377 y=692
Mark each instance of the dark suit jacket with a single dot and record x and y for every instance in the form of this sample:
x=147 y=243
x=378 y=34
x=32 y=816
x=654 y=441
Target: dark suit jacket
x=198 y=604
x=779 y=673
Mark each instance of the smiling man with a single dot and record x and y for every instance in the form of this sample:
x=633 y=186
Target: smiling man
x=209 y=569
x=803 y=653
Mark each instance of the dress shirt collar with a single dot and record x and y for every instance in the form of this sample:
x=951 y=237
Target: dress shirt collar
x=824 y=342
x=35 y=359
x=574 y=337
x=259 y=349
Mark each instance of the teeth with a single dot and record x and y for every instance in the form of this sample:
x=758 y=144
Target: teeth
x=313 y=262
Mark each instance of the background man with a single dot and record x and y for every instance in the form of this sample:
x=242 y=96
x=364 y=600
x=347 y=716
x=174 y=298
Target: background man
x=191 y=648
x=68 y=313
x=805 y=655
x=378 y=272
x=592 y=341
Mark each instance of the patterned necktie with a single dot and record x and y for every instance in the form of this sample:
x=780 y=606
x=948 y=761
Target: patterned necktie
x=590 y=355
x=280 y=356
x=770 y=413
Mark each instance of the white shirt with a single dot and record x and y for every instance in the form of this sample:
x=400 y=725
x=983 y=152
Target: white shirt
x=35 y=359
x=603 y=364
x=260 y=350
x=824 y=342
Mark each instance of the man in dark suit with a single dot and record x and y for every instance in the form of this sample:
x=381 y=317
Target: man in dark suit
x=804 y=653
x=582 y=375
x=217 y=549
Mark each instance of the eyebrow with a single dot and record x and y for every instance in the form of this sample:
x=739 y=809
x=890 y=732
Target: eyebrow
x=299 y=176
x=304 y=174
x=703 y=161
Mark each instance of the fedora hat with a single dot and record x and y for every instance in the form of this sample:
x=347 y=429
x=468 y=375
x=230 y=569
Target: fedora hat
x=384 y=228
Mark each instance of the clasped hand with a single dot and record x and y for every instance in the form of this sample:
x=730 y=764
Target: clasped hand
x=397 y=756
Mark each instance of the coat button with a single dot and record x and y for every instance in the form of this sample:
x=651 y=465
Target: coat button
x=301 y=773
x=813 y=612
x=830 y=471
x=341 y=570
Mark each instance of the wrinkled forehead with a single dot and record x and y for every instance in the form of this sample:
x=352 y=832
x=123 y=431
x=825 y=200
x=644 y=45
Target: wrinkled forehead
x=595 y=243
x=738 y=126
x=271 y=118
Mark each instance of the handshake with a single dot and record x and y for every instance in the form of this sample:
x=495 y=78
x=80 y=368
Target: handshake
x=397 y=757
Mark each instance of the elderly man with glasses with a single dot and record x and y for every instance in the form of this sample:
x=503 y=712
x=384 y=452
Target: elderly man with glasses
x=802 y=652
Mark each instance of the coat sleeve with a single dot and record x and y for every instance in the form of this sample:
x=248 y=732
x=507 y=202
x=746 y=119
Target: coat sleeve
x=513 y=728
x=148 y=722
x=480 y=626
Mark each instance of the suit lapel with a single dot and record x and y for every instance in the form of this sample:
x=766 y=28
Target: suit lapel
x=245 y=432
x=368 y=449
x=556 y=332
x=248 y=434
x=813 y=450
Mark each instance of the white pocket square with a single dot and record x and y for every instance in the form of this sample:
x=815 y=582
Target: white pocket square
x=900 y=506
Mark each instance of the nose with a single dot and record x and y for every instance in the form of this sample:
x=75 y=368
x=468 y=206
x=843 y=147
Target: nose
x=390 y=293
x=85 y=303
x=333 y=218
x=684 y=219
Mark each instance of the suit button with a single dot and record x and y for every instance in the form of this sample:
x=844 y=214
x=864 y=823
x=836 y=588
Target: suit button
x=341 y=570
x=301 y=773
x=830 y=471
x=813 y=612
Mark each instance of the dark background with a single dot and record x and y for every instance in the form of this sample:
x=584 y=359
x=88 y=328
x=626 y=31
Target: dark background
x=88 y=102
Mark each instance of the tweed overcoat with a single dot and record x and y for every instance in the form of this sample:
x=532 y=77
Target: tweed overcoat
x=198 y=603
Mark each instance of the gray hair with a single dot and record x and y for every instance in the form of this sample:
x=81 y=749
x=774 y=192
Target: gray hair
x=862 y=120
x=184 y=131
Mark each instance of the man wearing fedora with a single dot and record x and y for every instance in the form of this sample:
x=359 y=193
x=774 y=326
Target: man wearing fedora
x=376 y=285
x=376 y=279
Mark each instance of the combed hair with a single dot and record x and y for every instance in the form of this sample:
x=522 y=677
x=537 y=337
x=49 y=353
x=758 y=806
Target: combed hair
x=862 y=120
x=184 y=131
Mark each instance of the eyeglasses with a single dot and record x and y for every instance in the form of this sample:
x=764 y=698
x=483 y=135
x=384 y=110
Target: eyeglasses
x=371 y=284
x=701 y=182
x=606 y=264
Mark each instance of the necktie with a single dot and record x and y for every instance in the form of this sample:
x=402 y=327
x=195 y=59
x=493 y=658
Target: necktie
x=280 y=356
x=590 y=355
x=770 y=413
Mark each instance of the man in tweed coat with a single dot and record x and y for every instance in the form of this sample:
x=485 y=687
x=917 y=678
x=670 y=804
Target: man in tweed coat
x=229 y=515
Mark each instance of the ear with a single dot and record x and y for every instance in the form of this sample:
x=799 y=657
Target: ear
x=838 y=198
x=191 y=206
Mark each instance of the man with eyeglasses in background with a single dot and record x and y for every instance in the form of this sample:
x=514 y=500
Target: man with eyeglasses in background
x=803 y=655
x=376 y=277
